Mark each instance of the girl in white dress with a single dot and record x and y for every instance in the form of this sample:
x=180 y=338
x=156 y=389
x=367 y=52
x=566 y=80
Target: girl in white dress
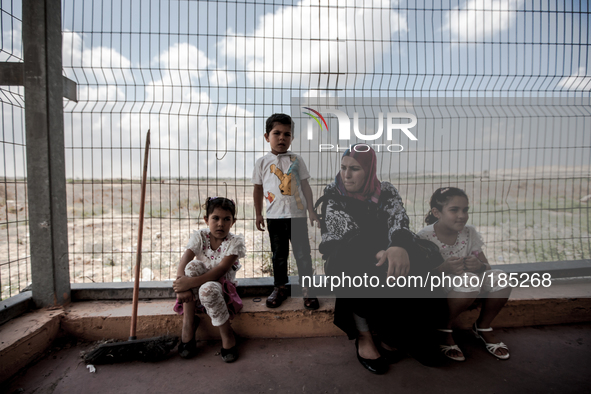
x=206 y=277
x=461 y=247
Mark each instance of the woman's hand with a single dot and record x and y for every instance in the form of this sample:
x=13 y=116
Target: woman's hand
x=398 y=261
x=380 y=254
x=453 y=265
x=472 y=264
x=185 y=296
x=182 y=284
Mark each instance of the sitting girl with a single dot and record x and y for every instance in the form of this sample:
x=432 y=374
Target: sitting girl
x=206 y=276
x=461 y=247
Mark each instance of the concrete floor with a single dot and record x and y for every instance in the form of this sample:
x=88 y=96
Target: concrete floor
x=545 y=359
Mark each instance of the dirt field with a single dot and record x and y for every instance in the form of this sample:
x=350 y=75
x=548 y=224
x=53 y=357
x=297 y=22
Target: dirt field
x=520 y=220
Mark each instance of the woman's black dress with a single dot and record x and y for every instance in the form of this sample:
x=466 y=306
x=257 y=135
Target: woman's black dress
x=353 y=231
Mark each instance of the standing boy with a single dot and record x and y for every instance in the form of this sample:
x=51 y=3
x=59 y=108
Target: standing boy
x=281 y=177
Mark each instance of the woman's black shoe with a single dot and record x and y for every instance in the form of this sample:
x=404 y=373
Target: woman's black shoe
x=379 y=366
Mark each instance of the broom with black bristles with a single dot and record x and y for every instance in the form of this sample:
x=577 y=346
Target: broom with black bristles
x=151 y=349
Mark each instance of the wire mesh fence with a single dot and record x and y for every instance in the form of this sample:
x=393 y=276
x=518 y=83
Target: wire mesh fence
x=203 y=76
x=14 y=238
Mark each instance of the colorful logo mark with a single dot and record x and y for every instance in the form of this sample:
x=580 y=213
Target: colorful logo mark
x=315 y=118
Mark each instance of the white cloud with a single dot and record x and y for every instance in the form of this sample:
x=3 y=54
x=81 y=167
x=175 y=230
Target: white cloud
x=219 y=77
x=308 y=38
x=103 y=93
x=578 y=81
x=101 y=72
x=480 y=19
x=168 y=91
x=76 y=54
x=12 y=44
x=238 y=127
x=182 y=69
x=183 y=58
x=182 y=144
x=317 y=93
x=189 y=137
x=72 y=47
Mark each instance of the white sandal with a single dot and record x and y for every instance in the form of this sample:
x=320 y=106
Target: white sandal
x=446 y=348
x=491 y=347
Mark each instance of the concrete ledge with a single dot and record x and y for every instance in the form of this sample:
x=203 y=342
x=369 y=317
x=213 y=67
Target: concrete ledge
x=120 y=290
x=24 y=339
x=563 y=302
x=558 y=269
x=15 y=306
x=566 y=301
x=247 y=287
x=526 y=313
x=96 y=320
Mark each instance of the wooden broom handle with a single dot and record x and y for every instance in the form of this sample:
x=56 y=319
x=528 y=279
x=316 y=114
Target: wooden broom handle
x=138 y=255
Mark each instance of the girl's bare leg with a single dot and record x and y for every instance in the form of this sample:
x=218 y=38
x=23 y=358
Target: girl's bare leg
x=491 y=307
x=227 y=334
x=457 y=302
x=188 y=320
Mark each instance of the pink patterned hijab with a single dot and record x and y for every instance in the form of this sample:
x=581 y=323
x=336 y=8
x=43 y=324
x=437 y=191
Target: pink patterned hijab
x=368 y=161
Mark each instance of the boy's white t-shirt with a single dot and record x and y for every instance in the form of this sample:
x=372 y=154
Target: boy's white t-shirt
x=468 y=242
x=281 y=177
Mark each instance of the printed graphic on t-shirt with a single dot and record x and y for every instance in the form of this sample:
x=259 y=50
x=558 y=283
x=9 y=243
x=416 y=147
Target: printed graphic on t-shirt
x=285 y=182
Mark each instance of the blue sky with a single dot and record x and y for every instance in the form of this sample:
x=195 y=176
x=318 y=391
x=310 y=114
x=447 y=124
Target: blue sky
x=203 y=76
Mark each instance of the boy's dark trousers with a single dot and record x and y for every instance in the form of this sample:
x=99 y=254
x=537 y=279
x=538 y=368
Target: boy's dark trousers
x=281 y=232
